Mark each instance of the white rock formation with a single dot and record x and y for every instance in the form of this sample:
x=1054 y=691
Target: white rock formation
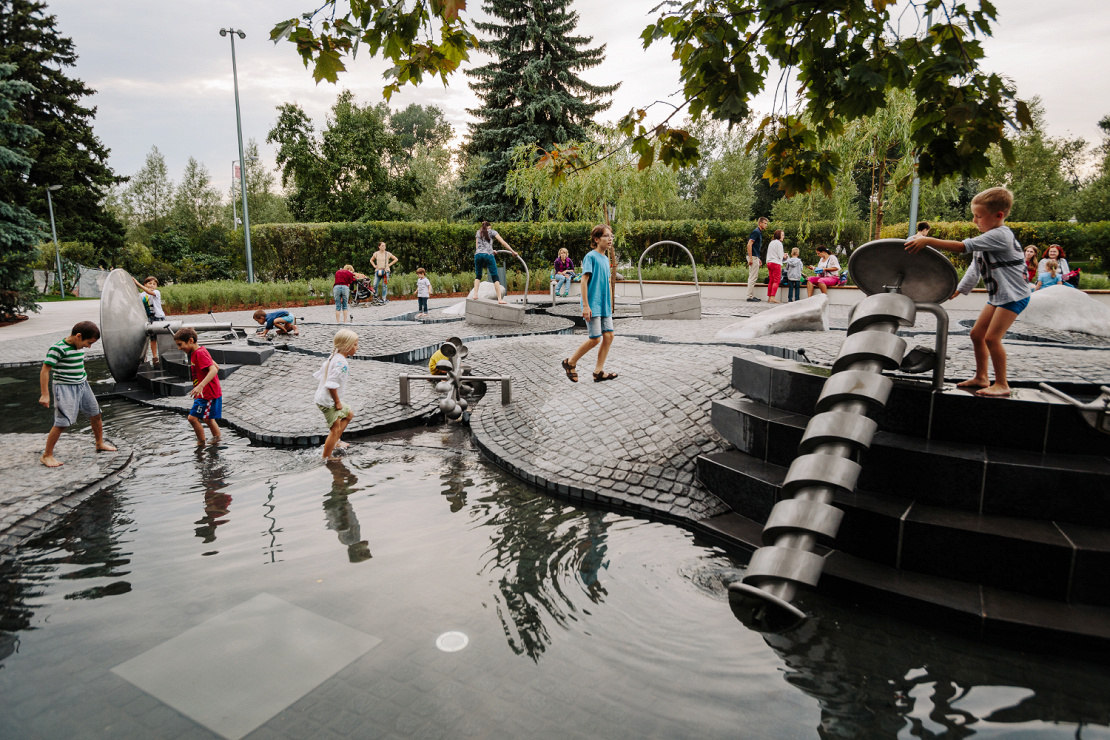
x=486 y=292
x=809 y=314
x=1063 y=308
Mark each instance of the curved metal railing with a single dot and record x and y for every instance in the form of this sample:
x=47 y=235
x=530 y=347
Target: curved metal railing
x=640 y=276
x=527 y=272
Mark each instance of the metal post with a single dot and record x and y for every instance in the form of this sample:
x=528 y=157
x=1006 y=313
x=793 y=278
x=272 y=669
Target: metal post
x=54 y=233
x=234 y=206
x=506 y=390
x=404 y=389
x=242 y=159
x=915 y=194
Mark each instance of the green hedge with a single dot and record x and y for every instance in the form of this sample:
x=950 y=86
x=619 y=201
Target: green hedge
x=303 y=251
x=1080 y=241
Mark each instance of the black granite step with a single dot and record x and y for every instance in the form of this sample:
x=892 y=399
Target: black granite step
x=979 y=612
x=1051 y=560
x=1031 y=420
x=972 y=478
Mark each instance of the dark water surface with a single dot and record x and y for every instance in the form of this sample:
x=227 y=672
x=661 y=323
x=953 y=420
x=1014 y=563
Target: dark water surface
x=581 y=623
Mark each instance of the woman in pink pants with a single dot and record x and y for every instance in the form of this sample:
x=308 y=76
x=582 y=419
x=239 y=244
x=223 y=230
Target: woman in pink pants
x=774 y=266
x=827 y=271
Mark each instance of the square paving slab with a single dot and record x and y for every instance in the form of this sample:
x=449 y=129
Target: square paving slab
x=240 y=668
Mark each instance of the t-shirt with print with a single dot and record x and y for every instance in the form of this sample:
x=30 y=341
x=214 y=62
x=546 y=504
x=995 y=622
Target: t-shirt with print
x=484 y=246
x=423 y=287
x=756 y=238
x=68 y=363
x=333 y=373
x=999 y=263
x=155 y=303
x=596 y=265
x=199 y=362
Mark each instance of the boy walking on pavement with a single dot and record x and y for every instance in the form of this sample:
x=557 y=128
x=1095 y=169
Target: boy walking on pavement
x=755 y=244
x=1000 y=262
x=72 y=394
x=597 y=306
x=207 y=394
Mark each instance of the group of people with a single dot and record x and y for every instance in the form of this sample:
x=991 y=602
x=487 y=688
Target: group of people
x=346 y=280
x=1051 y=268
x=788 y=270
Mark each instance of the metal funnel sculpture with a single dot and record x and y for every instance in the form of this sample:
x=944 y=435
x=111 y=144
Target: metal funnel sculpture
x=897 y=284
x=454 y=382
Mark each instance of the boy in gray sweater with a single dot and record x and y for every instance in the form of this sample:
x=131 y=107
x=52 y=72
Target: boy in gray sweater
x=1000 y=263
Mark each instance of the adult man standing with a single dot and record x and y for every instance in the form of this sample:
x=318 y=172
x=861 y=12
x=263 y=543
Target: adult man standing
x=755 y=244
x=382 y=260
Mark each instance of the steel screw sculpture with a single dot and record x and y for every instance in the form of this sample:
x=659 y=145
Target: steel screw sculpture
x=455 y=383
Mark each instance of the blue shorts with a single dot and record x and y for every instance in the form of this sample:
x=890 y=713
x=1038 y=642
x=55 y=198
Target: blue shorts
x=487 y=261
x=341 y=293
x=208 y=408
x=599 y=325
x=1016 y=306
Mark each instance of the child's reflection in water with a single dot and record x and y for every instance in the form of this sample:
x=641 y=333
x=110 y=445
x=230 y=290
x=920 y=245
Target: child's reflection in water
x=341 y=515
x=217 y=505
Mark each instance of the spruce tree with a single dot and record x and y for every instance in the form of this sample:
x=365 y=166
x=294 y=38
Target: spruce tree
x=67 y=153
x=530 y=92
x=20 y=231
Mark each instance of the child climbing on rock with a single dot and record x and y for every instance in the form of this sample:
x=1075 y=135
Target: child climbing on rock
x=333 y=376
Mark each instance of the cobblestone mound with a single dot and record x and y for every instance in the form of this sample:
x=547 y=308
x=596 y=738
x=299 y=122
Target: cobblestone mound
x=34 y=496
x=630 y=442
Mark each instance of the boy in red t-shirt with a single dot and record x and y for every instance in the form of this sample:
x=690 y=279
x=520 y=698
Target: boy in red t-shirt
x=208 y=403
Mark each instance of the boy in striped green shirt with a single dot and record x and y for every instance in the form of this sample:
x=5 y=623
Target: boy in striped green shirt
x=72 y=394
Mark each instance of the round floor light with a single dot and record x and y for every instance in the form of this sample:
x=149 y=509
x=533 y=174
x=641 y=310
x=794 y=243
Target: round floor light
x=452 y=642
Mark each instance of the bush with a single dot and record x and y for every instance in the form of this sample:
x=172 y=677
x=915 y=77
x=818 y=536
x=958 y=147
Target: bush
x=1080 y=241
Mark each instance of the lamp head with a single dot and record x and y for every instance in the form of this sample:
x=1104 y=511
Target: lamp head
x=54 y=187
x=223 y=32
x=241 y=34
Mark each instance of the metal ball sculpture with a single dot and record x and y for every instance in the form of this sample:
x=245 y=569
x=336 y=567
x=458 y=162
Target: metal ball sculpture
x=451 y=379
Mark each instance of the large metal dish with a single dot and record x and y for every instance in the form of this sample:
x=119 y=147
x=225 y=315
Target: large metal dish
x=123 y=325
x=926 y=277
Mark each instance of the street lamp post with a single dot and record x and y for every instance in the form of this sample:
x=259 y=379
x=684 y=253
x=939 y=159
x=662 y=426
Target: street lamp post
x=54 y=233
x=242 y=174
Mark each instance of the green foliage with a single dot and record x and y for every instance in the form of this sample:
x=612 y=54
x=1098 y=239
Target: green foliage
x=341 y=175
x=67 y=152
x=1079 y=241
x=266 y=205
x=19 y=229
x=148 y=199
x=530 y=94
x=225 y=295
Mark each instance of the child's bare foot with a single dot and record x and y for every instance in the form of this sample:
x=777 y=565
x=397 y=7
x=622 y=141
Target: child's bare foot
x=995 y=391
x=200 y=442
x=216 y=439
x=973 y=383
x=49 y=461
x=342 y=445
x=105 y=447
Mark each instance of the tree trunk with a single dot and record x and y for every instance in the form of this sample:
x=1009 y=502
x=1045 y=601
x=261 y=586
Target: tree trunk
x=879 y=200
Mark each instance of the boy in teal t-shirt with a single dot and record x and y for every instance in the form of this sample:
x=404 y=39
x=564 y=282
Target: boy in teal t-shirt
x=597 y=305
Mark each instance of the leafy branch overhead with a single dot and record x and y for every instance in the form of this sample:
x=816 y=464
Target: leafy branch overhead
x=832 y=62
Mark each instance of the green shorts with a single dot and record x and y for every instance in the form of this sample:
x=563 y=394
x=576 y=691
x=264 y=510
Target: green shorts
x=332 y=416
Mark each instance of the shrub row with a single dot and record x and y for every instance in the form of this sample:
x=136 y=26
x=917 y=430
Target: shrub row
x=1079 y=241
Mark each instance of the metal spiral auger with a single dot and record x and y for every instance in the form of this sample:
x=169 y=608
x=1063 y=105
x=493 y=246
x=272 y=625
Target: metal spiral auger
x=841 y=428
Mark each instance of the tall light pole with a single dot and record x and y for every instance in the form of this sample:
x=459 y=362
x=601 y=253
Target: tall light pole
x=242 y=172
x=54 y=233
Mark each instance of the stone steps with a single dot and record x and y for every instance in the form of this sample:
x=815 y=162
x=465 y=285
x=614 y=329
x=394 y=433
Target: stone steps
x=1050 y=560
x=970 y=478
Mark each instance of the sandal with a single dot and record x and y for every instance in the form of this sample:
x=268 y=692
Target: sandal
x=598 y=377
x=570 y=370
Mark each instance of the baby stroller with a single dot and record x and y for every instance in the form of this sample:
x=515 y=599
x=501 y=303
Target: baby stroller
x=362 y=292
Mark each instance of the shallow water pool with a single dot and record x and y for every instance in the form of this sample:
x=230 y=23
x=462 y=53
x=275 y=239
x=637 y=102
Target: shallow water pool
x=574 y=622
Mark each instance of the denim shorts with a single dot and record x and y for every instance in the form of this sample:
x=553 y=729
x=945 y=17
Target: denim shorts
x=487 y=261
x=1015 y=306
x=71 y=399
x=208 y=408
x=341 y=293
x=600 y=324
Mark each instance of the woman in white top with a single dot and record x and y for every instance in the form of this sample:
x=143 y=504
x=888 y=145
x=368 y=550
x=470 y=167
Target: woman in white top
x=774 y=266
x=827 y=272
x=1055 y=252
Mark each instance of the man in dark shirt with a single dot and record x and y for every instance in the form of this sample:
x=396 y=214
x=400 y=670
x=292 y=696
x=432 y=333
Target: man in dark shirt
x=755 y=244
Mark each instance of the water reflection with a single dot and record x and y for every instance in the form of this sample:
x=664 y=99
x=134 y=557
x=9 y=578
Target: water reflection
x=540 y=548
x=456 y=481
x=875 y=678
x=217 y=505
x=341 y=515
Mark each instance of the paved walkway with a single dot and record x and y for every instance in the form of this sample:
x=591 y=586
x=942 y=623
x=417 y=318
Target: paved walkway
x=52 y=318
x=34 y=496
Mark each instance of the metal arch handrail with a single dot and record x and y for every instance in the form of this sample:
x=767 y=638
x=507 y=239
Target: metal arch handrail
x=527 y=272
x=640 y=275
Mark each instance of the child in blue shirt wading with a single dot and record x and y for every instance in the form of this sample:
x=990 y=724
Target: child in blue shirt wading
x=597 y=305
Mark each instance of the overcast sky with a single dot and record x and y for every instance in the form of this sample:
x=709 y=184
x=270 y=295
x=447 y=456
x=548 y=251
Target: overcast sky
x=163 y=73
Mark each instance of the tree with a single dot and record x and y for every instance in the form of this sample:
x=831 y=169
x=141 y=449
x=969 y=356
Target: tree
x=341 y=175
x=846 y=55
x=196 y=204
x=417 y=125
x=20 y=231
x=149 y=197
x=67 y=152
x=531 y=94
x=721 y=184
x=1093 y=203
x=266 y=206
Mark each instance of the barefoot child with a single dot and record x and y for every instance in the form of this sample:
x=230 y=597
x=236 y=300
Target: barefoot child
x=1000 y=263
x=207 y=394
x=153 y=303
x=72 y=394
x=333 y=376
x=597 y=305
x=281 y=319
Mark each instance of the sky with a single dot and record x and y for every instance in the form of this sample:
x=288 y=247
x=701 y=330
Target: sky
x=163 y=73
